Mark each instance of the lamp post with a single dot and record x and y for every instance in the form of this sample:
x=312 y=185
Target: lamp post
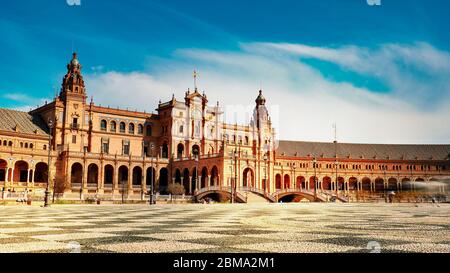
x=337 y=182
x=315 y=179
x=233 y=182
x=295 y=179
x=265 y=172
x=152 y=174
x=47 y=189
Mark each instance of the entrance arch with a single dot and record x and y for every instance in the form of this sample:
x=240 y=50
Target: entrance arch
x=214 y=176
x=3 y=167
x=366 y=184
x=76 y=174
x=379 y=185
x=326 y=183
x=186 y=181
x=353 y=184
x=109 y=175
x=278 y=182
x=137 y=176
x=287 y=181
x=248 y=178
x=92 y=177
x=20 y=171
x=392 y=184
x=41 y=173
x=341 y=184
x=163 y=180
x=123 y=176
x=204 y=178
x=300 y=182
x=407 y=184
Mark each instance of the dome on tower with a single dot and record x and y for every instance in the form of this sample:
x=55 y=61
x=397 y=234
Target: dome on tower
x=260 y=100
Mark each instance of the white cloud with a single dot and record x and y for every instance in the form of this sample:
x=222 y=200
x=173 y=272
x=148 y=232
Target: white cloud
x=308 y=103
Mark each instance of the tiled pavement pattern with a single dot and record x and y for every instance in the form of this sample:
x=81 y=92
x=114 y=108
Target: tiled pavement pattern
x=226 y=228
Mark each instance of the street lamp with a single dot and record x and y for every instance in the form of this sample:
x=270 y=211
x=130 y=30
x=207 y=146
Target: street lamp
x=265 y=172
x=196 y=170
x=315 y=179
x=337 y=182
x=47 y=189
x=233 y=182
x=152 y=174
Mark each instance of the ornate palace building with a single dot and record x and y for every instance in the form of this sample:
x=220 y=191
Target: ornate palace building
x=116 y=154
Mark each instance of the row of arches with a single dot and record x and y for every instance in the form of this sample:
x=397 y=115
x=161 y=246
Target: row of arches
x=326 y=183
x=123 y=177
x=196 y=179
x=22 y=172
x=123 y=127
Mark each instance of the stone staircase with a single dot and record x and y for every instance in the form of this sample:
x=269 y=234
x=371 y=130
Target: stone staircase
x=253 y=198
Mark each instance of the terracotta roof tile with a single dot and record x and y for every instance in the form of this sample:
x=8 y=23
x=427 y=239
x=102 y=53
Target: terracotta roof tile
x=25 y=122
x=366 y=151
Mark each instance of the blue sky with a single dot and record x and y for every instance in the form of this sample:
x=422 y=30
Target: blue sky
x=320 y=61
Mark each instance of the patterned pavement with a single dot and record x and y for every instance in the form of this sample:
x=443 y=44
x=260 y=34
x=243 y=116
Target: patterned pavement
x=222 y=228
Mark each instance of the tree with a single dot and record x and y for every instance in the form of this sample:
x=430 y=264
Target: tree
x=176 y=189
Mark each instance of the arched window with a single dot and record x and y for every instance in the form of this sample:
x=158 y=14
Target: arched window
x=148 y=130
x=112 y=126
x=181 y=129
x=140 y=129
x=31 y=146
x=26 y=145
x=10 y=144
x=131 y=128
x=122 y=127
x=103 y=125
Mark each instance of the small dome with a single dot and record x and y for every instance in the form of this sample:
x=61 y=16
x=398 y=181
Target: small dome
x=260 y=100
x=74 y=61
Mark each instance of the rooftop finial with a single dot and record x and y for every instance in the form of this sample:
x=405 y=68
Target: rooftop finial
x=195 y=78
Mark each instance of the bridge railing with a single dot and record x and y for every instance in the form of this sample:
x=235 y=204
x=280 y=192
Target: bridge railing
x=319 y=194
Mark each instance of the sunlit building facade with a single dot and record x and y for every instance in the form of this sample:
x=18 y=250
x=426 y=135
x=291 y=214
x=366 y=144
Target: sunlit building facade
x=117 y=154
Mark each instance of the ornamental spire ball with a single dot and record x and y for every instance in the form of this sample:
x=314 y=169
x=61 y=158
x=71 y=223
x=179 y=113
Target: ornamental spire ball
x=260 y=100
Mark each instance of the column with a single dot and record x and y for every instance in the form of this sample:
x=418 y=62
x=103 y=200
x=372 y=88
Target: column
x=144 y=180
x=209 y=180
x=6 y=176
x=84 y=181
x=116 y=180
x=130 y=180
x=28 y=176
x=12 y=176
x=190 y=184
x=100 y=186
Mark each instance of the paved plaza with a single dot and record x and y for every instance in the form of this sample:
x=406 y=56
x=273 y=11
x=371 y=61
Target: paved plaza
x=222 y=228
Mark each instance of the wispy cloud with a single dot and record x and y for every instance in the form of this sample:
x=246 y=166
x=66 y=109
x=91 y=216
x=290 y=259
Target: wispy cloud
x=413 y=111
